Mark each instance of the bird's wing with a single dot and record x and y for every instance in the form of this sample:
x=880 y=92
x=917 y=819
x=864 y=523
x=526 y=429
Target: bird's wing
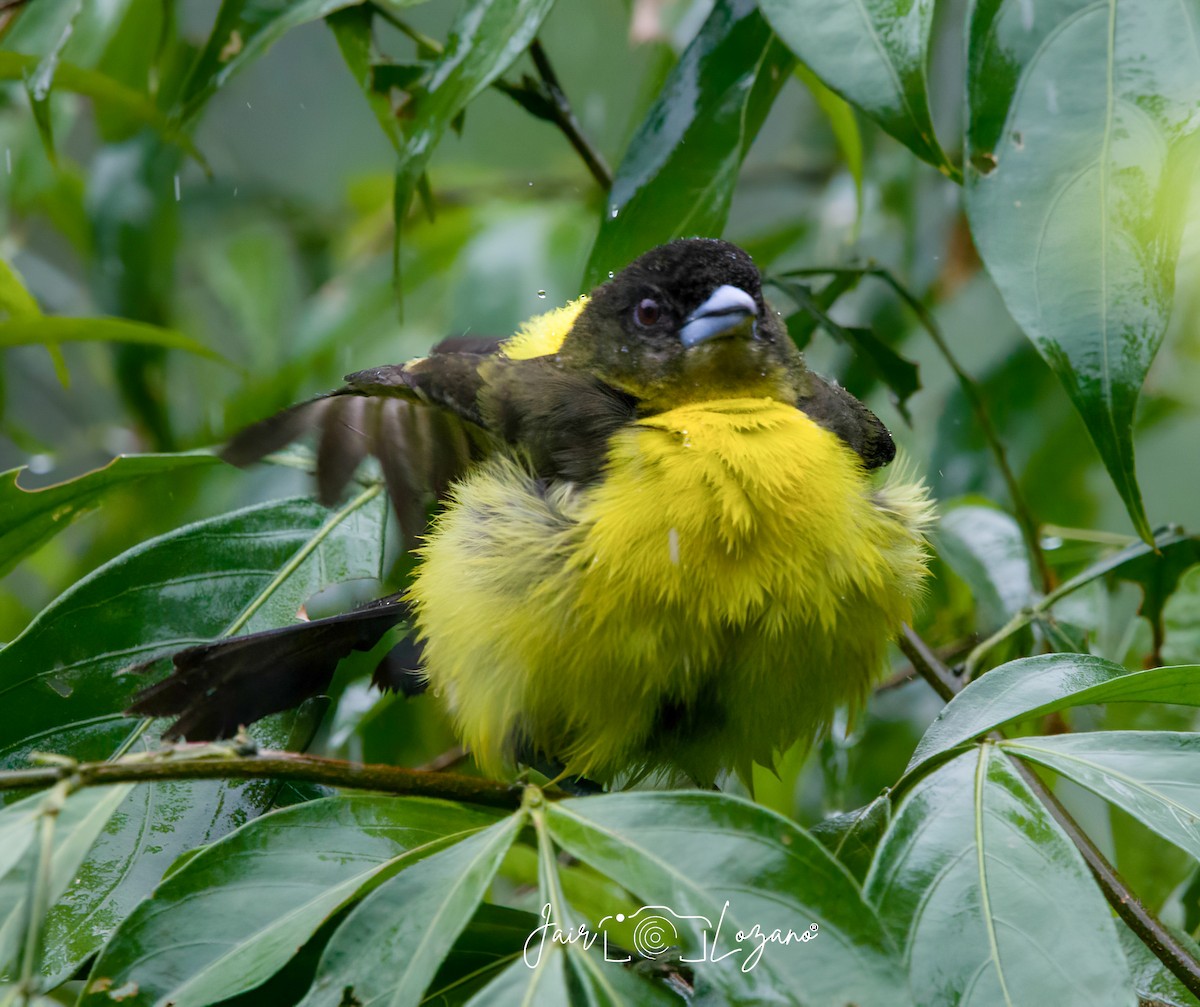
x=421 y=420
x=428 y=419
x=830 y=405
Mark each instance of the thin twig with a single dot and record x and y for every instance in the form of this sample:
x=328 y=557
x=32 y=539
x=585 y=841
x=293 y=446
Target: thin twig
x=1150 y=930
x=970 y=388
x=157 y=767
x=566 y=121
x=928 y=665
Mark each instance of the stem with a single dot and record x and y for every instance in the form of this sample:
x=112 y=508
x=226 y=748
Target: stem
x=219 y=762
x=928 y=665
x=1149 y=928
x=561 y=114
x=565 y=120
x=970 y=388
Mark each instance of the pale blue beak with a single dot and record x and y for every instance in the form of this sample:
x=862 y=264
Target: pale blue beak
x=728 y=308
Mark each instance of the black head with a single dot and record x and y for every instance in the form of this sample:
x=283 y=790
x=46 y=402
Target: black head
x=683 y=323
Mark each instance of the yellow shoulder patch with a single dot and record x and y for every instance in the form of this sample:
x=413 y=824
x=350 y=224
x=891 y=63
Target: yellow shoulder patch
x=542 y=335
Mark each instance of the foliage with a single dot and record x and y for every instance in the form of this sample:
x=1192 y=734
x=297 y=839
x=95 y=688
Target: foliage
x=207 y=216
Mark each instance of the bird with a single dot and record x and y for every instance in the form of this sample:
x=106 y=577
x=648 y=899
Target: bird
x=662 y=548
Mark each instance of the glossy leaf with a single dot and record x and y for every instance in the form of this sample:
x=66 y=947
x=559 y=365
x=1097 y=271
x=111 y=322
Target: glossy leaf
x=76 y=827
x=991 y=901
x=520 y=986
x=262 y=891
x=491 y=943
x=853 y=836
x=679 y=170
x=251 y=569
x=28 y=518
x=39 y=82
x=984 y=546
x=1081 y=142
x=352 y=30
x=244 y=30
x=391 y=944
x=874 y=54
x=1156 y=986
x=1033 y=686
x=1154 y=775
x=688 y=852
x=486 y=38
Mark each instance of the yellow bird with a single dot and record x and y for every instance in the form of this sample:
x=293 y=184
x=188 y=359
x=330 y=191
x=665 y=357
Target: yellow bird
x=663 y=546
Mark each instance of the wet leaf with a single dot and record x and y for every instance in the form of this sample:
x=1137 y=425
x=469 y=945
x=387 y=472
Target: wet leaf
x=28 y=518
x=1081 y=147
x=874 y=54
x=393 y=941
x=47 y=331
x=1153 y=775
x=1033 y=686
x=984 y=546
x=678 y=173
x=262 y=891
x=688 y=852
x=990 y=899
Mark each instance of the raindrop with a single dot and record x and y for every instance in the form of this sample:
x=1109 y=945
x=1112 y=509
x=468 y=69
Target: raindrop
x=613 y=211
x=624 y=349
x=542 y=294
x=1051 y=542
x=610 y=274
x=39 y=465
x=176 y=188
x=248 y=105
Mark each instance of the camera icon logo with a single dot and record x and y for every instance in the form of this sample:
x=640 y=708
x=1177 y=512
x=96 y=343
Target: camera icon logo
x=655 y=930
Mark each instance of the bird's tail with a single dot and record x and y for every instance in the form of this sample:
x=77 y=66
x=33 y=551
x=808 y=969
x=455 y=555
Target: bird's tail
x=217 y=687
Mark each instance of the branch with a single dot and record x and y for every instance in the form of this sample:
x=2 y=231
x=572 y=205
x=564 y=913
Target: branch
x=564 y=118
x=226 y=761
x=1149 y=928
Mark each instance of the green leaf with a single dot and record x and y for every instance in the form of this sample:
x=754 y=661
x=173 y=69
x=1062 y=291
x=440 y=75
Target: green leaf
x=243 y=31
x=17 y=302
x=853 y=835
x=485 y=39
x=1154 y=775
x=393 y=941
x=1077 y=186
x=76 y=827
x=105 y=92
x=491 y=942
x=46 y=331
x=262 y=891
x=251 y=569
x=1155 y=985
x=874 y=54
x=1033 y=686
x=679 y=171
x=984 y=546
x=39 y=82
x=352 y=30
x=690 y=855
x=1181 y=620
x=992 y=902
x=521 y=986
x=29 y=518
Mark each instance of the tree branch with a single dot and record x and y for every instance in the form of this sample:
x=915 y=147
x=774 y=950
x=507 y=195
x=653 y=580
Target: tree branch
x=227 y=761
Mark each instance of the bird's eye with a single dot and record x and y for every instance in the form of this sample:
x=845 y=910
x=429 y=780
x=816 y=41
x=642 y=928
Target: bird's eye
x=646 y=313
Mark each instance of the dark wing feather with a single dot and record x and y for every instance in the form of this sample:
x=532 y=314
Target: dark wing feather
x=834 y=408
